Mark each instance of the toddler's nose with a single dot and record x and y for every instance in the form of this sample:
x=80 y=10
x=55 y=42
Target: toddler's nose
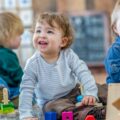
x=42 y=34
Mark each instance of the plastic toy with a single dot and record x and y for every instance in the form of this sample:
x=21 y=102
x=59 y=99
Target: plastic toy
x=67 y=115
x=6 y=106
x=50 y=116
x=90 y=117
x=79 y=98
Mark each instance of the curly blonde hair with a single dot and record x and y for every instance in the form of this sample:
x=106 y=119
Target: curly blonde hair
x=115 y=15
x=10 y=27
x=63 y=23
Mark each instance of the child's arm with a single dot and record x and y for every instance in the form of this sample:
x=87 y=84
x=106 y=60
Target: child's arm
x=84 y=75
x=26 y=91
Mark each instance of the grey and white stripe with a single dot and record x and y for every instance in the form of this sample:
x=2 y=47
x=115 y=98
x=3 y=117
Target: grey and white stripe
x=52 y=81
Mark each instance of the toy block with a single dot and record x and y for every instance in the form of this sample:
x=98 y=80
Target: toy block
x=113 y=102
x=68 y=115
x=90 y=117
x=79 y=98
x=50 y=116
x=5 y=96
x=5 y=105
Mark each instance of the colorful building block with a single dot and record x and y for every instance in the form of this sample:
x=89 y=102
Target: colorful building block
x=6 y=106
x=50 y=116
x=68 y=115
x=90 y=117
x=79 y=98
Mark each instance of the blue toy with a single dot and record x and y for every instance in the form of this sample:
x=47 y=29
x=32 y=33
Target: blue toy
x=79 y=98
x=50 y=116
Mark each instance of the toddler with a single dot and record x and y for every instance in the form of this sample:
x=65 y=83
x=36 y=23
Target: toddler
x=11 y=28
x=53 y=69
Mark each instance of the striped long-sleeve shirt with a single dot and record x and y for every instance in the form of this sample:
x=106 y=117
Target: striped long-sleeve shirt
x=52 y=81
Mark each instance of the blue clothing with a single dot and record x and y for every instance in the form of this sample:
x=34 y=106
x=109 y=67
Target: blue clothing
x=12 y=91
x=112 y=62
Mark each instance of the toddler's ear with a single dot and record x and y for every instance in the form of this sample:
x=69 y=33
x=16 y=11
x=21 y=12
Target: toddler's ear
x=64 y=41
x=116 y=27
x=115 y=30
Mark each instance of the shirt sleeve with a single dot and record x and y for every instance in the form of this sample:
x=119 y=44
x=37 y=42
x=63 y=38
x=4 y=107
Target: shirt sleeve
x=84 y=75
x=112 y=63
x=26 y=90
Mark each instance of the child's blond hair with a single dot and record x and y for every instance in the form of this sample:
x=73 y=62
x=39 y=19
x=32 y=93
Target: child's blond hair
x=63 y=23
x=115 y=15
x=10 y=27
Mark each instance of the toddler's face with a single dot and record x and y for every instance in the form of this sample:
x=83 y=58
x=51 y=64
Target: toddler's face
x=47 y=39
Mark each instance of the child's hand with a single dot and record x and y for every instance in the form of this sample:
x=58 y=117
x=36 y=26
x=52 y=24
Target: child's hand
x=30 y=118
x=88 y=100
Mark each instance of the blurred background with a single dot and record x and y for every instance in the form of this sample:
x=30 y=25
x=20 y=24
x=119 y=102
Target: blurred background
x=90 y=19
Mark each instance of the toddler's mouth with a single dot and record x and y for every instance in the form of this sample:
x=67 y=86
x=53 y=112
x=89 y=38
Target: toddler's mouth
x=42 y=42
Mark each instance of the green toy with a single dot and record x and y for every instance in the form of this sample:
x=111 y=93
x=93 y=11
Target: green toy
x=6 y=106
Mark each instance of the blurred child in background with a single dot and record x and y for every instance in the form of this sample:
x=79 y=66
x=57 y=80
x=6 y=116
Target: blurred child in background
x=11 y=28
x=112 y=60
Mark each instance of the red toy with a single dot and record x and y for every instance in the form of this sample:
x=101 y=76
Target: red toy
x=90 y=117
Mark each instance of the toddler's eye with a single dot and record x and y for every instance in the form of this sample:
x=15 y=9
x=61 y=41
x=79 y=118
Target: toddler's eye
x=50 y=31
x=38 y=31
